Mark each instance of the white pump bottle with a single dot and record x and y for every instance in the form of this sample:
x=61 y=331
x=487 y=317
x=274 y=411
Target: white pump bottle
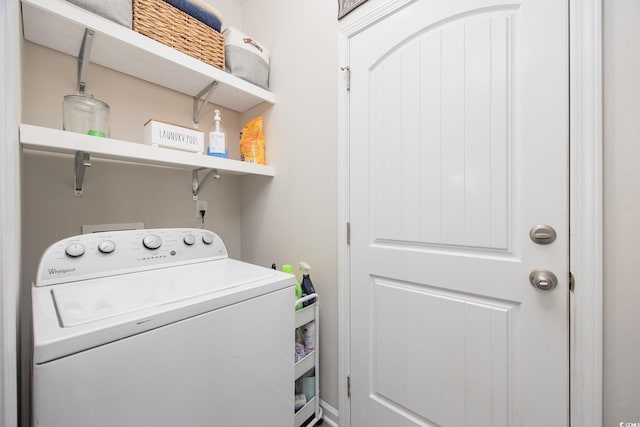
x=217 y=138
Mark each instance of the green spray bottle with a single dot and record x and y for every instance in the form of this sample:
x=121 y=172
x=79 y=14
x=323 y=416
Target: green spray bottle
x=288 y=268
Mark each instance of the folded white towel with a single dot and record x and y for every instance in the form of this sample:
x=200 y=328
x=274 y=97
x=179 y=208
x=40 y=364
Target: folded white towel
x=207 y=7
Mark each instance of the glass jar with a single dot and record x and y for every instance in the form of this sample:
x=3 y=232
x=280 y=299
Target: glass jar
x=85 y=114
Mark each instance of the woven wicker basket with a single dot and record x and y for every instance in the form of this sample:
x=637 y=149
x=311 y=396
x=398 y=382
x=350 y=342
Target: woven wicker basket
x=170 y=26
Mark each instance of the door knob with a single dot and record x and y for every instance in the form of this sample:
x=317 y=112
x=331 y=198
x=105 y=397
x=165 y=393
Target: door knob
x=543 y=279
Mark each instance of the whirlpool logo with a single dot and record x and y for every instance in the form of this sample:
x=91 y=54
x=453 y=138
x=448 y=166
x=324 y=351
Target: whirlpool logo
x=53 y=271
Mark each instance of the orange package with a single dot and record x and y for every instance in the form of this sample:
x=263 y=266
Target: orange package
x=252 y=142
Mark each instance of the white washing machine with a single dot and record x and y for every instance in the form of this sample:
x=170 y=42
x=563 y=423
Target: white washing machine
x=160 y=328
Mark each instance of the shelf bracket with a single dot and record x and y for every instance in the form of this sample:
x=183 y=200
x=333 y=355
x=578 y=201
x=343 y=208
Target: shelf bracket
x=197 y=109
x=83 y=59
x=83 y=161
x=197 y=186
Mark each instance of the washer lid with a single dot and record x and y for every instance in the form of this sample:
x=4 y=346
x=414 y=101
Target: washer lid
x=88 y=301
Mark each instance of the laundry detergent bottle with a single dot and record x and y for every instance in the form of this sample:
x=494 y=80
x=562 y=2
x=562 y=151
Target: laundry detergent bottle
x=307 y=286
x=288 y=268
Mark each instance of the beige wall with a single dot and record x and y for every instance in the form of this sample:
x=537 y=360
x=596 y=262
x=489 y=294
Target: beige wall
x=294 y=217
x=232 y=12
x=621 y=211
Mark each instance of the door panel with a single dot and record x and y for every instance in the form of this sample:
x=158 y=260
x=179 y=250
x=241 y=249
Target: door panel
x=440 y=135
x=458 y=146
x=456 y=347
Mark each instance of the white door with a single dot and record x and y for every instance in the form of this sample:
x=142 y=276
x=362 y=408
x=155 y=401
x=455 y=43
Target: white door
x=458 y=147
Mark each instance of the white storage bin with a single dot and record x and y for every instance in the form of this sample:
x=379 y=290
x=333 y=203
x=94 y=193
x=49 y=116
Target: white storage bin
x=246 y=58
x=119 y=11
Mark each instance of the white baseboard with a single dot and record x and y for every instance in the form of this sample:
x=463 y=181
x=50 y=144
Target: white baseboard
x=329 y=414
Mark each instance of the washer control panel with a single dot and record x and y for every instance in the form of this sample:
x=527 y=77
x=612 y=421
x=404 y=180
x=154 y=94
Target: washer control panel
x=103 y=254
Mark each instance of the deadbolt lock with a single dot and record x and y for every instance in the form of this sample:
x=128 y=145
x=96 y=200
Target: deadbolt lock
x=542 y=234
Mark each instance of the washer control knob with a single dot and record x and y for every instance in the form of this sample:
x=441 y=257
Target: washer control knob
x=152 y=241
x=207 y=239
x=75 y=250
x=189 y=240
x=107 y=246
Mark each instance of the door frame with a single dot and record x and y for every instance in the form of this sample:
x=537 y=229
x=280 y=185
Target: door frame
x=585 y=204
x=10 y=106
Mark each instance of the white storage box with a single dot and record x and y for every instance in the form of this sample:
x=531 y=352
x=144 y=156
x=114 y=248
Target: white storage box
x=169 y=135
x=119 y=11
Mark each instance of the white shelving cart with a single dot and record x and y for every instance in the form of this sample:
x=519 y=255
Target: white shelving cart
x=310 y=313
